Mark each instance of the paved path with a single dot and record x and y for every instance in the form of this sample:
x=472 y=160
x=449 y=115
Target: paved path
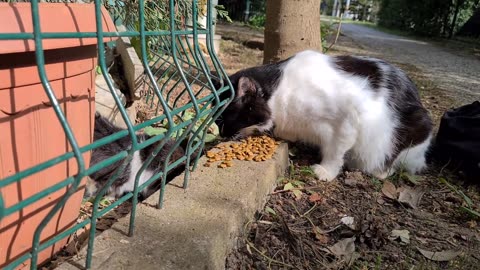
x=458 y=75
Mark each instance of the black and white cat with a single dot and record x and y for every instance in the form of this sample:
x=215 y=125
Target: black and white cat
x=126 y=180
x=360 y=111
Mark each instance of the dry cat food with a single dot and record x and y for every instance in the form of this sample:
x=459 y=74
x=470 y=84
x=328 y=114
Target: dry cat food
x=252 y=148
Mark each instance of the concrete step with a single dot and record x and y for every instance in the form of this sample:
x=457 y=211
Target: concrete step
x=198 y=226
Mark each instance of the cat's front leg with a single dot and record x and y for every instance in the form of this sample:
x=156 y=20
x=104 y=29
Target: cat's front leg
x=334 y=147
x=325 y=173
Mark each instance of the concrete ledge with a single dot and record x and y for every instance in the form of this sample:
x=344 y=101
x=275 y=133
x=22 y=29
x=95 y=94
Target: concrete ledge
x=133 y=71
x=132 y=65
x=106 y=106
x=198 y=226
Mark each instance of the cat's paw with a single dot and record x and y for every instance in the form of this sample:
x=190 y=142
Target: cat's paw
x=383 y=174
x=323 y=174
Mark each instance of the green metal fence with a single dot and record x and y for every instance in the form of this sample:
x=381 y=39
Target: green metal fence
x=178 y=79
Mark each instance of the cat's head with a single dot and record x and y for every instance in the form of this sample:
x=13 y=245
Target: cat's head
x=248 y=107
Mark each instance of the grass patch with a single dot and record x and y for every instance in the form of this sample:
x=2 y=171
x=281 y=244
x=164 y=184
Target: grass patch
x=468 y=205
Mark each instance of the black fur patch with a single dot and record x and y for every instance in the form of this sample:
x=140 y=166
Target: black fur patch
x=363 y=67
x=404 y=99
x=250 y=109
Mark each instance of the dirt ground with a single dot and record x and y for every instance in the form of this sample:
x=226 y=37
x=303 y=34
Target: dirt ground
x=357 y=221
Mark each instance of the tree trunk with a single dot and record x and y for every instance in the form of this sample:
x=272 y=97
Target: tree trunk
x=446 y=13
x=291 y=26
x=455 y=15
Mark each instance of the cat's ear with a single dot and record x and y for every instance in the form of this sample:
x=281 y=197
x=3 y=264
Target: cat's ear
x=246 y=86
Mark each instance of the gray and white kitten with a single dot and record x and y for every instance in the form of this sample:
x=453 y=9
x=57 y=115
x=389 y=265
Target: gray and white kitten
x=362 y=112
x=126 y=179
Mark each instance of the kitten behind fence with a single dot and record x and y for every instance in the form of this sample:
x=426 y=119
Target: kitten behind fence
x=126 y=179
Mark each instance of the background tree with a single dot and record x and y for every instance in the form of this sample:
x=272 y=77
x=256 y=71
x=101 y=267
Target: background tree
x=458 y=5
x=291 y=26
x=472 y=26
x=426 y=17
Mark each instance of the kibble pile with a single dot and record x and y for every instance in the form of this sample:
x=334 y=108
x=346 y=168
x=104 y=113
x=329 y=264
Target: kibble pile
x=253 y=148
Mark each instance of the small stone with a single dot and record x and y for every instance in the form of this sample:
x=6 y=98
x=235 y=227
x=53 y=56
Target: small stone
x=350 y=182
x=380 y=200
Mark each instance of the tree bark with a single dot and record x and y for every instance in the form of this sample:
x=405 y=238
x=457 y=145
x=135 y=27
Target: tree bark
x=455 y=15
x=446 y=13
x=291 y=26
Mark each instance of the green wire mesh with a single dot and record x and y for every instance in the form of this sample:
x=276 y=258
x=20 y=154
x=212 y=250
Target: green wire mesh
x=178 y=82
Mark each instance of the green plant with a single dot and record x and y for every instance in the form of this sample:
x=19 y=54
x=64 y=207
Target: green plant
x=257 y=21
x=428 y=17
x=156 y=15
x=212 y=132
x=468 y=206
x=222 y=13
x=326 y=30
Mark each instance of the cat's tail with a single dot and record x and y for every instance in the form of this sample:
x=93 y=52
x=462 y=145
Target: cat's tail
x=414 y=159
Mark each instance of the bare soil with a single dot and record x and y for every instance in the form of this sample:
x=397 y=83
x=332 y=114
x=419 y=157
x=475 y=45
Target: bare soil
x=358 y=221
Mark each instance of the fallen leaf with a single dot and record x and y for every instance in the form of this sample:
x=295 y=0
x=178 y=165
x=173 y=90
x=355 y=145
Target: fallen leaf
x=414 y=179
x=344 y=247
x=349 y=221
x=315 y=197
x=389 y=190
x=297 y=193
x=404 y=236
x=440 y=256
x=270 y=210
x=410 y=197
x=288 y=186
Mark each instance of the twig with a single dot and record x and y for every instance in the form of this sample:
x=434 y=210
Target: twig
x=287 y=190
x=269 y=263
x=271 y=260
x=313 y=224
x=443 y=168
x=295 y=208
x=338 y=33
x=310 y=210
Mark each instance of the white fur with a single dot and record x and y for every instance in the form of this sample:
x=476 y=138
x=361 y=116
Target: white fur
x=413 y=159
x=317 y=104
x=135 y=166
